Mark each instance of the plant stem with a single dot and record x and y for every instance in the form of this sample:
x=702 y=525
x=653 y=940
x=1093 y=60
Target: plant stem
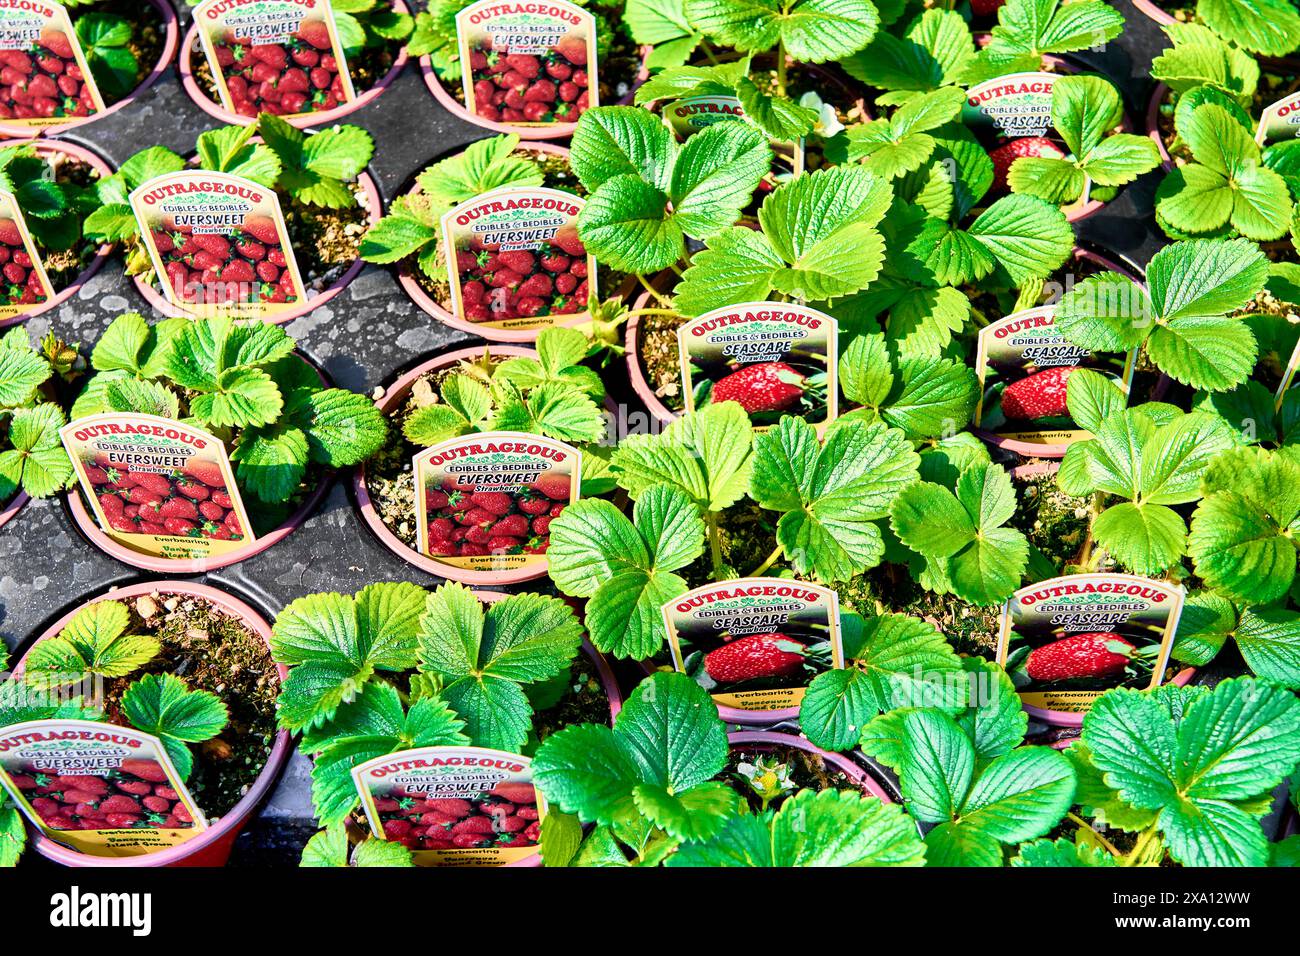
x=662 y=300
x=1084 y=824
x=715 y=544
x=780 y=68
x=636 y=312
x=762 y=568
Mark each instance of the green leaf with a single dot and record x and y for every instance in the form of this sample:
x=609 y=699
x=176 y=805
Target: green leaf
x=1035 y=27
x=13 y=834
x=1061 y=852
x=830 y=496
x=811 y=31
x=828 y=828
x=715 y=175
x=229 y=150
x=1269 y=27
x=738 y=265
x=21 y=372
x=626 y=223
x=1199 y=759
x=932 y=52
x=1028 y=237
x=271 y=462
x=164 y=705
x=617 y=141
x=96 y=642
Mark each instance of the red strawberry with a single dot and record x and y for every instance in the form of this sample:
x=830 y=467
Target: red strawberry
x=533 y=506
x=57 y=43
x=238 y=271
x=985 y=8
x=139 y=788
x=119 y=803
x=9 y=234
x=1008 y=153
x=515 y=792
x=122 y=821
x=451 y=806
x=145 y=770
x=192 y=489
x=218 y=246
x=762 y=387
x=573 y=49
x=209 y=473
x=178 y=508
x=156 y=483
x=262 y=228
x=568 y=242
x=520 y=261
x=504 y=544
x=554 y=486
x=542 y=524
x=316 y=33
x=756 y=655
x=496 y=502
x=1079 y=655
x=1041 y=395
x=474 y=824
x=516 y=526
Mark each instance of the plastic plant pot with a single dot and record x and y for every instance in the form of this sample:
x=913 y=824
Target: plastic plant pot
x=157 y=300
x=392 y=398
x=211 y=847
x=171 y=35
x=760 y=739
x=632 y=355
x=12 y=507
x=1031 y=449
x=1153 y=125
x=85 y=522
x=420 y=296
x=191 y=51
x=50 y=147
x=553 y=131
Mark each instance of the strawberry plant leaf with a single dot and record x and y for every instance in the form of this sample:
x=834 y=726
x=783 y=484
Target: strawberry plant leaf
x=1061 y=852
x=625 y=568
x=926 y=398
x=37 y=461
x=827 y=828
x=481 y=658
x=329 y=847
x=811 y=31
x=1269 y=27
x=932 y=52
x=164 y=705
x=831 y=496
x=96 y=642
x=13 y=834
x=665 y=745
x=1030 y=28
x=707 y=455
x=1200 y=760
x=374 y=852
x=663 y=25
x=21 y=702
x=374 y=724
x=333 y=644
x=1200 y=57
x=714 y=175
x=554 y=409
x=229 y=149
x=1016 y=796
x=902 y=143
x=627 y=224
x=1242 y=531
x=271 y=462
x=1028 y=237
x=891 y=661
x=485 y=165
x=22 y=371
x=615 y=141
x=736 y=266
x=342 y=428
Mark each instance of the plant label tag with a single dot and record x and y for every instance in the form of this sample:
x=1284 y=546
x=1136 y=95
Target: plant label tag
x=1279 y=121
x=219 y=245
x=1068 y=640
x=485 y=502
x=1288 y=377
x=37 y=40
x=274 y=56
x=773 y=358
x=690 y=114
x=514 y=259
x=100 y=789
x=529 y=63
x=755 y=643
x=158 y=486
x=453 y=806
x=1023 y=364
x=26 y=286
x=1016 y=105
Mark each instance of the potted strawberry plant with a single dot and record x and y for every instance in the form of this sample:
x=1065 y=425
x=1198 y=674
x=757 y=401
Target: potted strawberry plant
x=272 y=412
x=326 y=196
x=1265 y=29
x=125 y=47
x=301 y=74
x=548 y=393
x=535 y=94
x=33 y=463
x=54 y=187
x=407 y=636
x=551 y=280
x=217 y=722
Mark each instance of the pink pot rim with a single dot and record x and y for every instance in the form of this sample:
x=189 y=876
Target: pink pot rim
x=234 y=819
x=1062 y=718
x=159 y=302
x=148 y=562
x=1030 y=449
x=171 y=36
x=1034 y=469
x=92 y=160
x=556 y=131
x=392 y=395
x=855 y=772
x=185 y=66
x=1153 y=125
x=13 y=506
x=632 y=356
x=1149 y=9
x=420 y=297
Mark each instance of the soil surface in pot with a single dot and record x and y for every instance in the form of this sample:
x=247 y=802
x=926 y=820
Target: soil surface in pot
x=657 y=352
x=1055 y=523
x=366 y=67
x=581 y=700
x=807 y=771
x=213 y=651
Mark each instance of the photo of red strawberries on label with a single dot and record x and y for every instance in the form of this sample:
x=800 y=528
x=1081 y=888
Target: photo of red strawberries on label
x=755 y=643
x=1024 y=364
x=25 y=283
x=530 y=64
x=218 y=244
x=486 y=501
x=274 y=56
x=453 y=806
x=1067 y=640
x=84 y=782
x=158 y=486
x=771 y=358
x=515 y=260
x=43 y=73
